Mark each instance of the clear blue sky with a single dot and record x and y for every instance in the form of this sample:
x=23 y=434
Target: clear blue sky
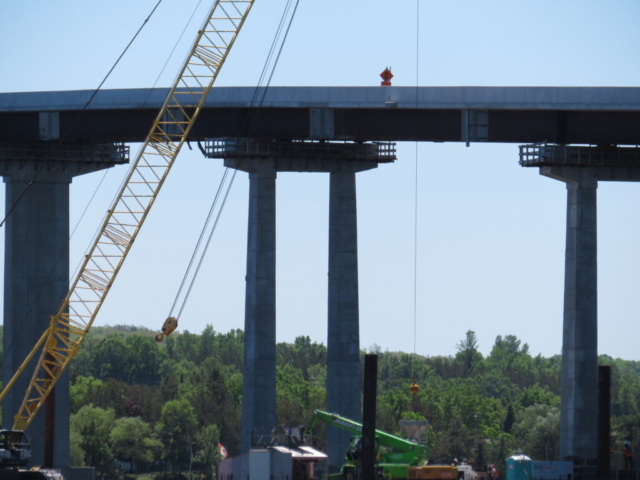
x=490 y=233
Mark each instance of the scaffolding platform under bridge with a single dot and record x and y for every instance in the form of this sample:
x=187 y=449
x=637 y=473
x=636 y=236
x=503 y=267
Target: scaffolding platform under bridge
x=550 y=155
x=312 y=152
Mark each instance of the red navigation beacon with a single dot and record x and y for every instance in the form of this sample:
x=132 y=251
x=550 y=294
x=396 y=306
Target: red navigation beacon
x=386 y=77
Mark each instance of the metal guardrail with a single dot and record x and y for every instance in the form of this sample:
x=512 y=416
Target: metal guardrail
x=544 y=154
x=381 y=152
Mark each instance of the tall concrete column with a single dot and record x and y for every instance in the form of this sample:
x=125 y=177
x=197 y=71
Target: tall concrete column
x=344 y=382
x=36 y=271
x=36 y=279
x=578 y=416
x=259 y=389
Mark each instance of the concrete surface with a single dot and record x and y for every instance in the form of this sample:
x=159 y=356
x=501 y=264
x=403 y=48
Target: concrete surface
x=344 y=381
x=562 y=115
x=36 y=280
x=578 y=416
x=528 y=98
x=259 y=388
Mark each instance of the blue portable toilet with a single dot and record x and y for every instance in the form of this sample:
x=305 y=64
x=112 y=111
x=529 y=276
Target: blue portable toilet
x=519 y=467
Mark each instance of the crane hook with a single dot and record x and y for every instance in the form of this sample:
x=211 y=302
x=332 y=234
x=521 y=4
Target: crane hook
x=169 y=325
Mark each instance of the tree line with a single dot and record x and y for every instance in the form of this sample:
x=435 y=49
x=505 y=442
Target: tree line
x=147 y=407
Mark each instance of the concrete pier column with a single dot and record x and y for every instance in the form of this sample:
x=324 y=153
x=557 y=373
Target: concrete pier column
x=579 y=407
x=259 y=389
x=344 y=382
x=36 y=269
x=36 y=279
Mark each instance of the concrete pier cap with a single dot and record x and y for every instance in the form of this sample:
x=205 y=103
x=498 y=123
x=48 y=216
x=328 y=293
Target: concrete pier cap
x=299 y=156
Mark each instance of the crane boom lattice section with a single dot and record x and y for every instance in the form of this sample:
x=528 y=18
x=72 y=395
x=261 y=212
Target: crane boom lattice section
x=130 y=208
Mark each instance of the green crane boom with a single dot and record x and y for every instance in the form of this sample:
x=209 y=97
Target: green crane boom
x=395 y=454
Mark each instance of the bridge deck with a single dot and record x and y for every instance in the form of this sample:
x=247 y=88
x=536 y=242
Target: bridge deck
x=578 y=115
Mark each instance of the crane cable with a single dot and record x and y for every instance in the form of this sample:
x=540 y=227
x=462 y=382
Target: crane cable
x=86 y=105
x=124 y=178
x=195 y=254
x=172 y=51
x=199 y=252
x=44 y=284
x=414 y=387
x=41 y=168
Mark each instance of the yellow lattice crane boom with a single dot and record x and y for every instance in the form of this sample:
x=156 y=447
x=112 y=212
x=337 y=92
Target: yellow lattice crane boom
x=123 y=221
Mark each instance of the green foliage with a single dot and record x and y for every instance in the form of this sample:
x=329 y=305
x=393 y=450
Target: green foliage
x=83 y=390
x=138 y=401
x=296 y=398
x=132 y=441
x=625 y=386
x=75 y=447
x=468 y=356
x=302 y=355
x=123 y=331
x=207 y=455
x=509 y=420
x=92 y=426
x=145 y=360
x=495 y=385
x=538 y=395
x=547 y=372
x=176 y=430
x=512 y=360
x=135 y=359
x=537 y=431
x=627 y=427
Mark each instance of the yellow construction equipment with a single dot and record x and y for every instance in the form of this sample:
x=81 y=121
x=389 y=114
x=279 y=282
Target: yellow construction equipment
x=68 y=328
x=169 y=325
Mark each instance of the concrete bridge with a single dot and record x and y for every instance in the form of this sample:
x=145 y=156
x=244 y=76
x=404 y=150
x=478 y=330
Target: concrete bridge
x=42 y=127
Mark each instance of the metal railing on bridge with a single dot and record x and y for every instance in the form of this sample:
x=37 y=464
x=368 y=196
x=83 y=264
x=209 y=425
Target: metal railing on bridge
x=550 y=155
x=56 y=151
x=230 y=147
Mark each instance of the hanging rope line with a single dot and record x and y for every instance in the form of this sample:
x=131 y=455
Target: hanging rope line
x=124 y=178
x=143 y=103
x=264 y=93
x=200 y=250
x=77 y=117
x=186 y=26
x=194 y=255
x=206 y=247
x=47 y=280
x=265 y=67
x=37 y=173
x=414 y=387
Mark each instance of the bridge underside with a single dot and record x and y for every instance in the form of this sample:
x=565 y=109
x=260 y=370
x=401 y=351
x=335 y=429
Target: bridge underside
x=360 y=124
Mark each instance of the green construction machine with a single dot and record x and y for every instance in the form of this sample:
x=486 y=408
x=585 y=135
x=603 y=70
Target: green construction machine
x=395 y=455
